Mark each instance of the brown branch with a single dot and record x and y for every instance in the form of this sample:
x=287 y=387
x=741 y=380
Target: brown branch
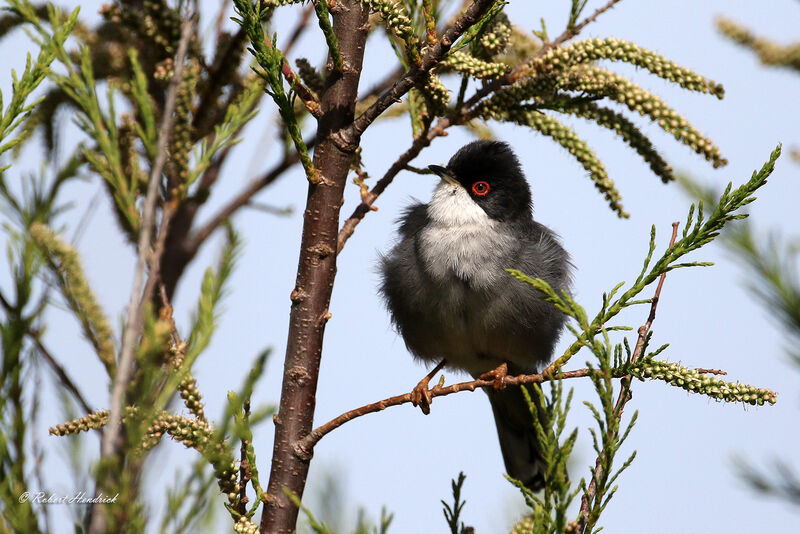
x=569 y=33
x=316 y=274
x=306 y=445
x=711 y=371
x=625 y=392
x=347 y=138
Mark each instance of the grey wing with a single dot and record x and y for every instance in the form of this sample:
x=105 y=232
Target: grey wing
x=538 y=323
x=404 y=284
x=414 y=219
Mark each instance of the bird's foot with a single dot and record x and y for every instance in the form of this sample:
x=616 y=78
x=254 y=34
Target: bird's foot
x=421 y=396
x=498 y=376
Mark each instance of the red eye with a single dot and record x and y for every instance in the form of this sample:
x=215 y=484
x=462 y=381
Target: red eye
x=480 y=188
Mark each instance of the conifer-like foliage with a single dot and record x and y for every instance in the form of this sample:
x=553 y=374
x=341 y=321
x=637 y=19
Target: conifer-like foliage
x=160 y=104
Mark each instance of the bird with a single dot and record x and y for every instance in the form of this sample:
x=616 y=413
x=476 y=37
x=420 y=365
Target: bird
x=451 y=299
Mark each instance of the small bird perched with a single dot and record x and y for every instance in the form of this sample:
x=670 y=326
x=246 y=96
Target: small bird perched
x=449 y=295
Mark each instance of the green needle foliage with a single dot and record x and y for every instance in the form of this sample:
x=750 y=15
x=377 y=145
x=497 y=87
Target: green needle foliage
x=271 y=61
x=452 y=514
x=617 y=360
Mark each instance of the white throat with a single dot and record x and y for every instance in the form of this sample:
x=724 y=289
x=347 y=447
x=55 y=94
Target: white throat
x=461 y=239
x=451 y=205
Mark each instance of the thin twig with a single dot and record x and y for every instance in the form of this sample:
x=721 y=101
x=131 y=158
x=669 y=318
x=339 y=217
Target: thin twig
x=111 y=443
x=400 y=164
x=58 y=369
x=569 y=33
x=306 y=445
x=625 y=391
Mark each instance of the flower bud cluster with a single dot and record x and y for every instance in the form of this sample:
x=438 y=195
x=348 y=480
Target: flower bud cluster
x=612 y=120
x=93 y=421
x=191 y=396
x=245 y=526
x=394 y=15
x=601 y=83
x=193 y=433
x=437 y=95
x=644 y=103
x=311 y=78
x=77 y=290
x=477 y=68
x=494 y=37
x=703 y=383
x=613 y=49
x=181 y=141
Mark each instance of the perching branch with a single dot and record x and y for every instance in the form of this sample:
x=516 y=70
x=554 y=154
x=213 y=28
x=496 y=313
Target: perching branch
x=307 y=444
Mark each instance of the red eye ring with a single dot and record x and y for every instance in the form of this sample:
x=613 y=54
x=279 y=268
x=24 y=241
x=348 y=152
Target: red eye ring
x=481 y=188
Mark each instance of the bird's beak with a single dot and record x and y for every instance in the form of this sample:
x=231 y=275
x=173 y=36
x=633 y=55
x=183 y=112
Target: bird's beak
x=444 y=174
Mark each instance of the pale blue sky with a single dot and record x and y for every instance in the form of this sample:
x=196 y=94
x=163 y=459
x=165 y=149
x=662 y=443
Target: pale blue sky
x=682 y=479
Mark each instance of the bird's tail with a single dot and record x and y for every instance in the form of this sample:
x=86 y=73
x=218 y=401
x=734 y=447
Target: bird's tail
x=518 y=440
